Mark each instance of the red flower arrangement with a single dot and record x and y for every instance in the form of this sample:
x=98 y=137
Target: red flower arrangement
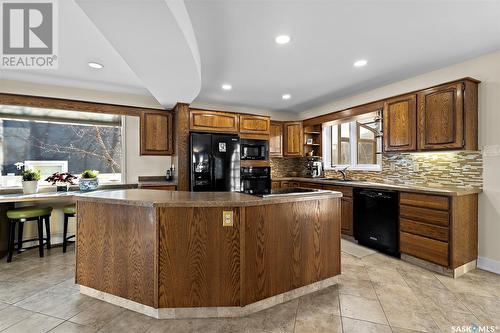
x=61 y=177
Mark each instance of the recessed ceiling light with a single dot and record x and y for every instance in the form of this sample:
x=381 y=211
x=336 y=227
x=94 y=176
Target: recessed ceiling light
x=286 y=96
x=282 y=39
x=95 y=65
x=360 y=63
x=226 y=86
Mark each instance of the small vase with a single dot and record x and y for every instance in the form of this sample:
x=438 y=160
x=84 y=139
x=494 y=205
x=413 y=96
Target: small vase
x=88 y=184
x=30 y=187
x=62 y=187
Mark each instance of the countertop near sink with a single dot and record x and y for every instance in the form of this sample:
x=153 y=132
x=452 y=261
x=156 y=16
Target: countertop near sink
x=427 y=189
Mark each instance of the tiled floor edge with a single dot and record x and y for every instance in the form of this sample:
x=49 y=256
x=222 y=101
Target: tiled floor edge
x=209 y=312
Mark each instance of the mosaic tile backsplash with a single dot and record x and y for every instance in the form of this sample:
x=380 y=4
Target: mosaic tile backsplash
x=448 y=169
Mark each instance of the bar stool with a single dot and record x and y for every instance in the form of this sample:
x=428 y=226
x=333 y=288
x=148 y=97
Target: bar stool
x=69 y=211
x=18 y=216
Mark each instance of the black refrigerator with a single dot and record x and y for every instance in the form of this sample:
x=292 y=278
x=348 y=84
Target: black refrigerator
x=215 y=162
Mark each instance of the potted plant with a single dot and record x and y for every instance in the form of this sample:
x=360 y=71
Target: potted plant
x=89 y=180
x=30 y=181
x=62 y=180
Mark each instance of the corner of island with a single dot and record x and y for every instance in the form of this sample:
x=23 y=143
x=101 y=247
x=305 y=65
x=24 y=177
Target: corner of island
x=205 y=254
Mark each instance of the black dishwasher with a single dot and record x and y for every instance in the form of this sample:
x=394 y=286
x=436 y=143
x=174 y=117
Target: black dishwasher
x=376 y=219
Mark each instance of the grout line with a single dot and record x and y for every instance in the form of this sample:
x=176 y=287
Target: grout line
x=296 y=312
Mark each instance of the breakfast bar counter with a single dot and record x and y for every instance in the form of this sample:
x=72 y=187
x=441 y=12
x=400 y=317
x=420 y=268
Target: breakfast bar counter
x=205 y=254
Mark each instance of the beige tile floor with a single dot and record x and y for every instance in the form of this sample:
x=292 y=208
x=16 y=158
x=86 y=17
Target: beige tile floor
x=375 y=293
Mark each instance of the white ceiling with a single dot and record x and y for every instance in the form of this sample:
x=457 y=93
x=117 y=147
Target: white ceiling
x=80 y=42
x=398 y=38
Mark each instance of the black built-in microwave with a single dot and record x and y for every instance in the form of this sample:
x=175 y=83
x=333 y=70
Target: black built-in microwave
x=254 y=149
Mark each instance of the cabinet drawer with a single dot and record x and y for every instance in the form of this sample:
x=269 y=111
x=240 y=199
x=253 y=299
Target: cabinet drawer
x=290 y=184
x=424 y=248
x=424 y=229
x=346 y=191
x=425 y=201
x=431 y=216
x=311 y=185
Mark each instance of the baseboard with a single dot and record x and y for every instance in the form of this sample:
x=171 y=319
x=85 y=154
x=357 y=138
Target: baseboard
x=488 y=264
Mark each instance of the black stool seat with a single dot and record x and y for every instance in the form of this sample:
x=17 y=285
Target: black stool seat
x=18 y=216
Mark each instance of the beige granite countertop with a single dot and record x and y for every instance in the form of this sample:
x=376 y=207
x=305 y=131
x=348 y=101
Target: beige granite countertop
x=159 y=198
x=426 y=189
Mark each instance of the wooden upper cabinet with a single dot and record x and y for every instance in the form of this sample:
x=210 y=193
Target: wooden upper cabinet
x=254 y=124
x=400 y=123
x=213 y=121
x=156 y=133
x=293 y=138
x=441 y=117
x=276 y=139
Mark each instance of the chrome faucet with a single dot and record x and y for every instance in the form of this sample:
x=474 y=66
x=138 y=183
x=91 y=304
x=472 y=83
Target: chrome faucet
x=343 y=172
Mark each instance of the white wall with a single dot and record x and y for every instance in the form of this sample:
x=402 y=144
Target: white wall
x=135 y=165
x=487 y=69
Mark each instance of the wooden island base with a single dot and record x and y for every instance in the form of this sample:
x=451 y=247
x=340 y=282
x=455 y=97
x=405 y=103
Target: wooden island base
x=183 y=254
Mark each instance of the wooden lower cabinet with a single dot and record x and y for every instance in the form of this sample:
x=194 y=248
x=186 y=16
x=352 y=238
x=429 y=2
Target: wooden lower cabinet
x=285 y=184
x=312 y=185
x=346 y=220
x=439 y=229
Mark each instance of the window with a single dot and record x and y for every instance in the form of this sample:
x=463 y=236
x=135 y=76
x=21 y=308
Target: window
x=354 y=143
x=59 y=140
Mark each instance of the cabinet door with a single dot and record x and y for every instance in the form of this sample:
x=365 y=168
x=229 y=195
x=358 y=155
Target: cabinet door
x=293 y=138
x=440 y=117
x=213 y=121
x=254 y=124
x=400 y=123
x=346 y=216
x=276 y=139
x=156 y=133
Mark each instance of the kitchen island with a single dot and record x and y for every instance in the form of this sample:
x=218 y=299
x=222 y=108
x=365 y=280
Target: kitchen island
x=205 y=254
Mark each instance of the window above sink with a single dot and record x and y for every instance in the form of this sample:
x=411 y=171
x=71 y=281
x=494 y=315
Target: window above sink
x=353 y=143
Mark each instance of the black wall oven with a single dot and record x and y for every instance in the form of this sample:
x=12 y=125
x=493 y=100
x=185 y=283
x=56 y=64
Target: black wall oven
x=254 y=149
x=256 y=180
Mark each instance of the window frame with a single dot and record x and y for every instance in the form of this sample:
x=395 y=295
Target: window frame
x=354 y=136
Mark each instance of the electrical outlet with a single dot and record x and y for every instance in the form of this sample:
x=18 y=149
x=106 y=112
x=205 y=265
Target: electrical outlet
x=227 y=218
x=392 y=166
x=415 y=167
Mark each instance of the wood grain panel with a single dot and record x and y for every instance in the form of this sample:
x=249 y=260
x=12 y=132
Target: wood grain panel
x=293 y=138
x=156 y=133
x=254 y=124
x=255 y=163
x=311 y=185
x=116 y=250
x=424 y=200
x=464 y=232
x=350 y=113
x=400 y=123
x=440 y=117
x=436 y=217
x=72 y=105
x=275 y=184
x=199 y=258
x=182 y=145
x=424 y=229
x=276 y=139
x=424 y=248
x=290 y=245
x=347 y=216
x=213 y=121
